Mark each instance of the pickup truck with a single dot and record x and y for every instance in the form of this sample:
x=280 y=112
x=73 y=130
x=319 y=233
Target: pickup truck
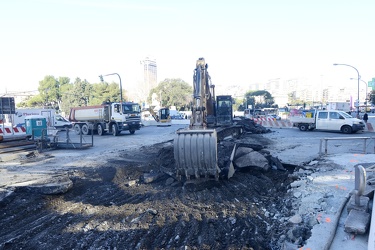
x=333 y=120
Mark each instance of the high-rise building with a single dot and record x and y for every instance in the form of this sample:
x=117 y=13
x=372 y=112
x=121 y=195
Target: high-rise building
x=149 y=75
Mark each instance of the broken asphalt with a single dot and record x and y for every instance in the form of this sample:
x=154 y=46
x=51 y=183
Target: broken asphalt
x=322 y=187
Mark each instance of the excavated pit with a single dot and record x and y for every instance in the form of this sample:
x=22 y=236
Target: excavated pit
x=112 y=207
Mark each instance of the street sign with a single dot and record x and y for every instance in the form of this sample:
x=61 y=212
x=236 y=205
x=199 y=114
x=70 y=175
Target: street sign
x=7 y=105
x=372 y=84
x=356 y=104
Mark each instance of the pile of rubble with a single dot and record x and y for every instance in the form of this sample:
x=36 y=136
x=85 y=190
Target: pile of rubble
x=250 y=126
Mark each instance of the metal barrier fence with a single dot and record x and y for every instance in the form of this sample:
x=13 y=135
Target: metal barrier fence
x=49 y=140
x=325 y=142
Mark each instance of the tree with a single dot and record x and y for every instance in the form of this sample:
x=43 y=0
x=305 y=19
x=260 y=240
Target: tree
x=62 y=95
x=293 y=100
x=259 y=99
x=173 y=92
x=102 y=92
x=50 y=91
x=31 y=101
x=76 y=94
x=239 y=104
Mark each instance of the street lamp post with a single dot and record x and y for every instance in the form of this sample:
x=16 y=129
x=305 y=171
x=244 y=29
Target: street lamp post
x=101 y=79
x=358 y=77
x=365 y=87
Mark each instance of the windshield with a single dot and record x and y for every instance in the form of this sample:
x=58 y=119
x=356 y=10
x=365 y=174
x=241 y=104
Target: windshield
x=346 y=115
x=130 y=108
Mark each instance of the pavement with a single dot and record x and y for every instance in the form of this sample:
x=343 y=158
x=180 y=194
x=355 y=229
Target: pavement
x=324 y=186
x=330 y=189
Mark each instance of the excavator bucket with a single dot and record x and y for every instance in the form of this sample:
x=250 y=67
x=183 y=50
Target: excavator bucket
x=195 y=153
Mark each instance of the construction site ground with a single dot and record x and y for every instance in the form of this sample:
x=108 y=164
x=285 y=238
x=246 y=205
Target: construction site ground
x=123 y=195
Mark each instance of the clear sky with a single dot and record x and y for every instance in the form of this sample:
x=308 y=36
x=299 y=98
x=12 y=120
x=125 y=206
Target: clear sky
x=243 y=42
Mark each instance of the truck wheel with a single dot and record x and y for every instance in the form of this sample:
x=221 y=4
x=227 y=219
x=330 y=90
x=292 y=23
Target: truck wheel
x=85 y=129
x=303 y=127
x=115 y=130
x=346 y=129
x=100 y=130
x=132 y=131
x=77 y=129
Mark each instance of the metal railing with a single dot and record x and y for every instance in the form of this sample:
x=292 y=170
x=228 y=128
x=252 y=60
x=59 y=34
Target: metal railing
x=325 y=142
x=51 y=140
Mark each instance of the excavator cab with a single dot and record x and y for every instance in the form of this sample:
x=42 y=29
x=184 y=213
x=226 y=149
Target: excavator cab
x=164 y=115
x=224 y=110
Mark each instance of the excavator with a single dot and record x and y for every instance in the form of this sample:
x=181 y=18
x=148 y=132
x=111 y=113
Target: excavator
x=195 y=148
x=162 y=117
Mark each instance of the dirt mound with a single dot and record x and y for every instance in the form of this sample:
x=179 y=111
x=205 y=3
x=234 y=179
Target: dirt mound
x=111 y=207
x=250 y=126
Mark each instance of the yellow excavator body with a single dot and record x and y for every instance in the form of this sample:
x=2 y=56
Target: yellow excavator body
x=195 y=148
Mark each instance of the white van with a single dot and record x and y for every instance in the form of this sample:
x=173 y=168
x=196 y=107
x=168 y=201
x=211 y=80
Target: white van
x=332 y=120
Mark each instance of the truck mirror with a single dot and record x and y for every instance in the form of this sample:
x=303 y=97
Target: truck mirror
x=117 y=108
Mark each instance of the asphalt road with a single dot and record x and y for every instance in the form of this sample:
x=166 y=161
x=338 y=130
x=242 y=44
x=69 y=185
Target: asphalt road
x=145 y=136
x=291 y=145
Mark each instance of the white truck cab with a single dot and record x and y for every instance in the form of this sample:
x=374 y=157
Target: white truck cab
x=333 y=120
x=59 y=122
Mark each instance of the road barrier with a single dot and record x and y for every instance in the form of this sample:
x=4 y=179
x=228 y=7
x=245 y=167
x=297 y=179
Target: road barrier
x=257 y=120
x=275 y=123
x=7 y=130
x=369 y=127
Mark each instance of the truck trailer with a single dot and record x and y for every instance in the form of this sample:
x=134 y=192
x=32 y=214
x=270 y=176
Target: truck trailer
x=108 y=117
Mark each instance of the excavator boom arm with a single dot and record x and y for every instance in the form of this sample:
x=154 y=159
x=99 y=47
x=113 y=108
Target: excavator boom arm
x=195 y=149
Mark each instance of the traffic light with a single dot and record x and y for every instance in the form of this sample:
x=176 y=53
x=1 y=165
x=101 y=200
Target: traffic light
x=101 y=78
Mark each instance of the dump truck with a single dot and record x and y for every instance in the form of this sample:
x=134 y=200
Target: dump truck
x=333 y=120
x=111 y=117
x=195 y=148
